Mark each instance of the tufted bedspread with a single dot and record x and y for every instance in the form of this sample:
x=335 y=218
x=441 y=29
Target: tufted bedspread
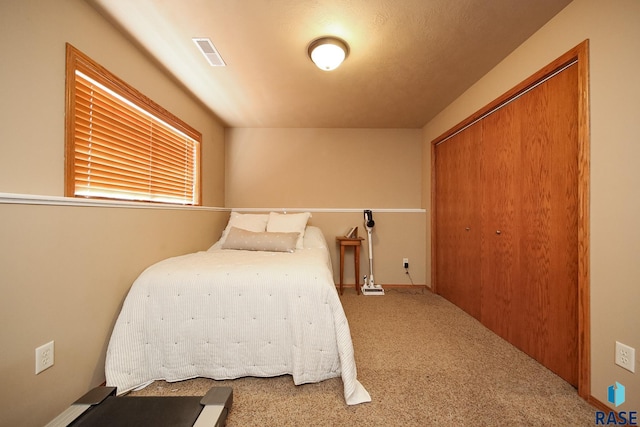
x=226 y=314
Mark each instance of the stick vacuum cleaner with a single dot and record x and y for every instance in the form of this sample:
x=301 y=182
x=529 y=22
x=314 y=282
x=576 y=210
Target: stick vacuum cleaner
x=369 y=287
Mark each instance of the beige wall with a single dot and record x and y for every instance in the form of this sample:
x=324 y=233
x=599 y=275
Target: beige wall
x=614 y=33
x=336 y=173
x=323 y=168
x=64 y=270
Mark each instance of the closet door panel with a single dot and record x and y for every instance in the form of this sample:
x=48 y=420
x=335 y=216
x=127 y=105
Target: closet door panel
x=457 y=220
x=549 y=246
x=500 y=219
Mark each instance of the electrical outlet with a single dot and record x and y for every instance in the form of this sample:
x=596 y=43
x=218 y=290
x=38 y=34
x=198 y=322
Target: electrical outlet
x=405 y=262
x=44 y=357
x=626 y=357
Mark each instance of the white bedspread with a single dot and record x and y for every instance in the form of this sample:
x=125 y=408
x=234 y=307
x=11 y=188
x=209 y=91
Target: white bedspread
x=226 y=314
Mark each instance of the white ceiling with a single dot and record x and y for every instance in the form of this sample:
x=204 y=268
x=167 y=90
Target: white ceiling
x=408 y=58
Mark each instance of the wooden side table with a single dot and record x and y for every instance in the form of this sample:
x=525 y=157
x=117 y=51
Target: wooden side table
x=355 y=243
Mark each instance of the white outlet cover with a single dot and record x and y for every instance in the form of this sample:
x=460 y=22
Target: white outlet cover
x=44 y=357
x=626 y=357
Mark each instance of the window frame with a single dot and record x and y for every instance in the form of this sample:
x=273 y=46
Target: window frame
x=76 y=60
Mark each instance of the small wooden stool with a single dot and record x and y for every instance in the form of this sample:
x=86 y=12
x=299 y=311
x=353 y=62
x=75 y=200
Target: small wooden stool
x=354 y=242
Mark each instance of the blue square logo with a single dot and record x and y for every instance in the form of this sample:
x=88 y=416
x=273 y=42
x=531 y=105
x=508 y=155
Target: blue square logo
x=616 y=394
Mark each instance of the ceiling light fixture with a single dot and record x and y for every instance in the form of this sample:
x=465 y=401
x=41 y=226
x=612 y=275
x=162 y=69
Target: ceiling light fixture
x=328 y=52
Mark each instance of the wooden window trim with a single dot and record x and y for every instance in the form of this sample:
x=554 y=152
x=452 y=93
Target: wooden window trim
x=76 y=60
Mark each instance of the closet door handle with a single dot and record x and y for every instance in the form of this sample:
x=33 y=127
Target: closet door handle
x=467 y=228
x=498 y=232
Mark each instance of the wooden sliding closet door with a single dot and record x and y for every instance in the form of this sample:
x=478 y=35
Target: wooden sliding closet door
x=458 y=236
x=529 y=185
x=500 y=226
x=548 y=292
x=506 y=218
x=529 y=205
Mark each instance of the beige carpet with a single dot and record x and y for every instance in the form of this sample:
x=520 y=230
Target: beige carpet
x=424 y=361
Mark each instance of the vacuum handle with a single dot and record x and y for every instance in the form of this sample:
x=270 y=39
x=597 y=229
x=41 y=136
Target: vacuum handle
x=368 y=218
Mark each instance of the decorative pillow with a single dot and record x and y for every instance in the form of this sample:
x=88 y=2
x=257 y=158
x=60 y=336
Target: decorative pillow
x=289 y=223
x=251 y=222
x=238 y=238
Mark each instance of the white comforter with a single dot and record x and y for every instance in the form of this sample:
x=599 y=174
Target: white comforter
x=225 y=314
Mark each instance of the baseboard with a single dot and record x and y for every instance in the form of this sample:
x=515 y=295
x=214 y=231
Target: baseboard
x=404 y=286
x=391 y=286
x=600 y=406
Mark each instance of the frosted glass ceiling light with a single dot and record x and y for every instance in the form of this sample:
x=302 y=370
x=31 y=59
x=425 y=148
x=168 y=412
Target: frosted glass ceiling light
x=328 y=52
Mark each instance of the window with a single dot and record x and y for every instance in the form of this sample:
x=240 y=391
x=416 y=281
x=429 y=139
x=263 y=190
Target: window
x=121 y=145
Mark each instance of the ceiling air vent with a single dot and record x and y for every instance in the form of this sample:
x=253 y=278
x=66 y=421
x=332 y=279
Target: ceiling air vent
x=209 y=51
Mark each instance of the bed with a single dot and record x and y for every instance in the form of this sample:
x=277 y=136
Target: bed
x=260 y=302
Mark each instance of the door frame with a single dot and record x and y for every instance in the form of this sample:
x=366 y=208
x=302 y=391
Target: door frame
x=580 y=56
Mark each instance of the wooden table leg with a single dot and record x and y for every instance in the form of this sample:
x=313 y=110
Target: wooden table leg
x=341 y=267
x=357 y=264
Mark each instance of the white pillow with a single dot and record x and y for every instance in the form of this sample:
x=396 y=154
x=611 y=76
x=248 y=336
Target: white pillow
x=250 y=222
x=288 y=223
